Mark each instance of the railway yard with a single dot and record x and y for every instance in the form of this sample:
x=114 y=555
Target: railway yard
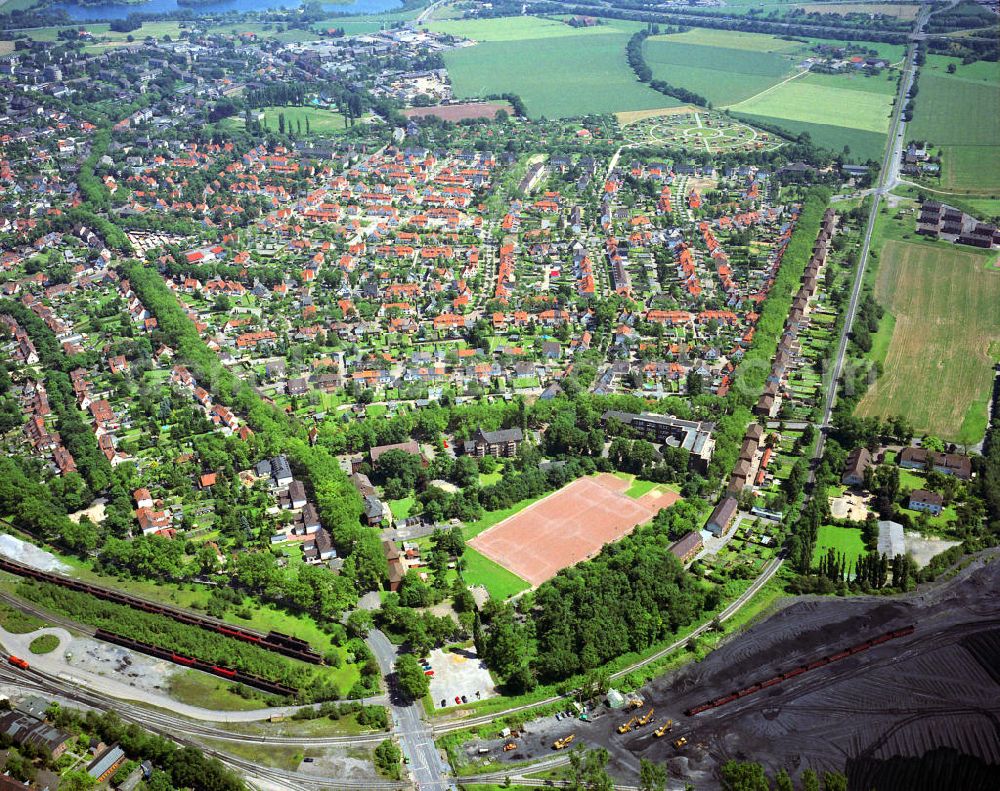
x=936 y=687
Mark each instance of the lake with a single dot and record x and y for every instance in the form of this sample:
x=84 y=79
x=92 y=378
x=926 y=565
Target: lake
x=120 y=10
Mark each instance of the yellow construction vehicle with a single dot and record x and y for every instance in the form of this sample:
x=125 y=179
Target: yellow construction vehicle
x=509 y=746
x=678 y=743
x=633 y=703
x=564 y=742
x=662 y=730
x=646 y=718
x=625 y=727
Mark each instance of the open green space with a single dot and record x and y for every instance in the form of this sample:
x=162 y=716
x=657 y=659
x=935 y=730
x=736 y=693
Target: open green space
x=401 y=508
x=863 y=145
x=960 y=112
x=937 y=370
x=732 y=39
x=44 y=644
x=723 y=76
x=321 y=121
x=524 y=28
x=16 y=622
x=845 y=541
x=480 y=570
x=200 y=689
x=822 y=103
x=558 y=71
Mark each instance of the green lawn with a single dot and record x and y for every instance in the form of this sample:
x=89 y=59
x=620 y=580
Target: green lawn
x=401 y=508
x=16 y=622
x=844 y=540
x=732 y=39
x=321 y=121
x=489 y=478
x=480 y=570
x=556 y=76
x=944 y=302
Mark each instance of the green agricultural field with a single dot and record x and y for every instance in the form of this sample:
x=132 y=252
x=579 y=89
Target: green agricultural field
x=960 y=112
x=480 y=570
x=884 y=83
x=943 y=101
x=732 y=39
x=557 y=70
x=937 y=369
x=863 y=145
x=810 y=102
x=582 y=75
x=524 y=28
x=844 y=540
x=723 y=76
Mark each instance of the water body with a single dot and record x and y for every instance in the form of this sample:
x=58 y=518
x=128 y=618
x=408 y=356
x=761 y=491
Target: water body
x=121 y=10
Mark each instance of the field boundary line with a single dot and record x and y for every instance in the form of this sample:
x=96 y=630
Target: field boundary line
x=766 y=90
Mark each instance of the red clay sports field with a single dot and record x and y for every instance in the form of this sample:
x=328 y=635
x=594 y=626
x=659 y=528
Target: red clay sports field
x=568 y=526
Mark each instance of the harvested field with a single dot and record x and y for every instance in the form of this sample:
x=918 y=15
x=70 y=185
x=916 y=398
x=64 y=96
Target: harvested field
x=458 y=112
x=568 y=526
x=944 y=303
x=927 y=701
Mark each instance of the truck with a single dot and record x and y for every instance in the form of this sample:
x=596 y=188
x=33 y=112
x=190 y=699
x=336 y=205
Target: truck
x=678 y=743
x=564 y=742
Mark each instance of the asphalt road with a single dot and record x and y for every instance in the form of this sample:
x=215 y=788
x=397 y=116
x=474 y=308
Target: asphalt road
x=887 y=180
x=426 y=767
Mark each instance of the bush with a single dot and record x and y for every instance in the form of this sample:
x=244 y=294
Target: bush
x=45 y=644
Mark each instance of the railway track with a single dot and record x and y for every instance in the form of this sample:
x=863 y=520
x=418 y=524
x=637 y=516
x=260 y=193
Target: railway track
x=770 y=570
x=185 y=733
x=277 y=642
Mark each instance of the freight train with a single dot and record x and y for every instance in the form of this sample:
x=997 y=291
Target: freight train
x=799 y=670
x=216 y=670
x=273 y=641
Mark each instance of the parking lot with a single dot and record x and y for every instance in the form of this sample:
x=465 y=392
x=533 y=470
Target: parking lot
x=459 y=672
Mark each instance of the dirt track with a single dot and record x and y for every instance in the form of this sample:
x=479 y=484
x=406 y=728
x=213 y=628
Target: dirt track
x=937 y=688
